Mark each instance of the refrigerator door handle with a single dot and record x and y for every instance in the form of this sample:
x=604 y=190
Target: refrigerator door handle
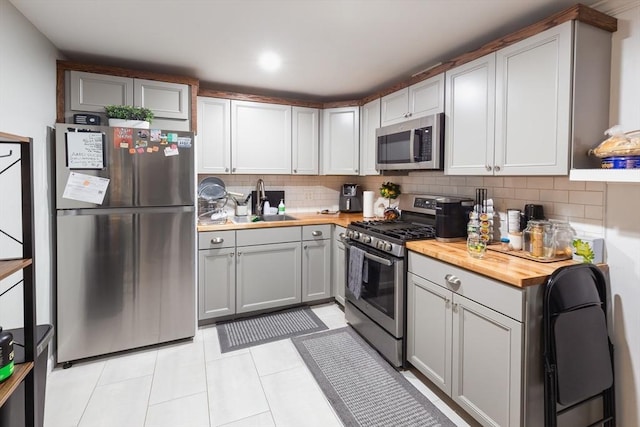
x=112 y=211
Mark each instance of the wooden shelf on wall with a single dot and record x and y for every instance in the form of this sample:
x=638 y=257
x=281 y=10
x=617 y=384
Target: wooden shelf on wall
x=11 y=384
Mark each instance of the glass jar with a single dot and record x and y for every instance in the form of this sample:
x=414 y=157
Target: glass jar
x=563 y=235
x=539 y=239
x=476 y=245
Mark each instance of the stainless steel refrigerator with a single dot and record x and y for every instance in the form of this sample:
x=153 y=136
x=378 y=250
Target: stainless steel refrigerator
x=125 y=239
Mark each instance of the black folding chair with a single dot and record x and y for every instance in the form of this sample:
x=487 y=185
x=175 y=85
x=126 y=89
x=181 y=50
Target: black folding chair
x=578 y=354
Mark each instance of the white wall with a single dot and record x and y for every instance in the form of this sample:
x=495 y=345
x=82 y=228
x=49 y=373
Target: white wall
x=622 y=220
x=27 y=108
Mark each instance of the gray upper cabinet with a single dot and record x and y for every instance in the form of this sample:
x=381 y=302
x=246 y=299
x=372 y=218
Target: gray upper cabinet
x=418 y=100
x=369 y=122
x=166 y=100
x=341 y=141
x=521 y=110
x=91 y=92
x=305 y=133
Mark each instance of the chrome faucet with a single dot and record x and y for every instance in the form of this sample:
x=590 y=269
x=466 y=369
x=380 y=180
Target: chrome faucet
x=261 y=196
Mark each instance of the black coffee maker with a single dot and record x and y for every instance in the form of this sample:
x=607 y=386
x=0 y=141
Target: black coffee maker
x=531 y=211
x=350 y=198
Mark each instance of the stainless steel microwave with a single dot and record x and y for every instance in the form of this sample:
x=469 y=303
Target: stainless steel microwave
x=414 y=144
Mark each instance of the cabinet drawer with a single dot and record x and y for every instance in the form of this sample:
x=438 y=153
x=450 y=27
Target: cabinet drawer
x=496 y=295
x=265 y=236
x=316 y=232
x=216 y=239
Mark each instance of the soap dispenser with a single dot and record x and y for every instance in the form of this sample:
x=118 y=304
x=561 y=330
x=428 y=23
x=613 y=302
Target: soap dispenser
x=281 y=207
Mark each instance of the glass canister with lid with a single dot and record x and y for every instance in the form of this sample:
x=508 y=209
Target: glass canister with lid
x=539 y=239
x=563 y=236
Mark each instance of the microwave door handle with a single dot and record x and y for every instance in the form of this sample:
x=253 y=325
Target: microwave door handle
x=412 y=145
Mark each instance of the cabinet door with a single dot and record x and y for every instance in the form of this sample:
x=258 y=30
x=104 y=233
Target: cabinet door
x=340 y=141
x=394 y=107
x=533 y=104
x=469 y=124
x=487 y=363
x=216 y=283
x=429 y=323
x=261 y=135
x=166 y=100
x=338 y=268
x=304 y=144
x=91 y=92
x=268 y=276
x=214 y=135
x=427 y=97
x=369 y=122
x=316 y=269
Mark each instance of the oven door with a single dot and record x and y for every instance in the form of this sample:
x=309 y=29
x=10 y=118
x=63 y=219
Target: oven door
x=382 y=294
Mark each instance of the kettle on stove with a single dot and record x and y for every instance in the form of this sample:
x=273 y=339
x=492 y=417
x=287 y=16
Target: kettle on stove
x=350 y=198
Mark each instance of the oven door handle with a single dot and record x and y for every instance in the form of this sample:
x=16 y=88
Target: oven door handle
x=372 y=257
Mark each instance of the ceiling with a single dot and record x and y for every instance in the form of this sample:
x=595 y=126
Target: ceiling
x=331 y=49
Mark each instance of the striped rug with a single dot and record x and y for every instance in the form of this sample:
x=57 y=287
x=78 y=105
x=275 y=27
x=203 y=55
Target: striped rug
x=362 y=387
x=267 y=328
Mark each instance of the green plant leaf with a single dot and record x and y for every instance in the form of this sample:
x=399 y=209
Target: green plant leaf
x=584 y=250
x=129 y=112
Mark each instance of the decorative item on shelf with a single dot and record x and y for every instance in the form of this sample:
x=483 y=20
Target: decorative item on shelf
x=129 y=116
x=6 y=355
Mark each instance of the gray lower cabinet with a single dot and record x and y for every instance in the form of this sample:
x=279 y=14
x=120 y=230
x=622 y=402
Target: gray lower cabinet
x=338 y=273
x=268 y=264
x=468 y=348
x=316 y=262
x=216 y=274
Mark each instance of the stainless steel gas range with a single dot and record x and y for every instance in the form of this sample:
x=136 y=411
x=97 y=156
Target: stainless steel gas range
x=376 y=273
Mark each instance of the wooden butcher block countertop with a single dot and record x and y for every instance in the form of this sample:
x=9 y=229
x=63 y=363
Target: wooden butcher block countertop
x=342 y=219
x=499 y=266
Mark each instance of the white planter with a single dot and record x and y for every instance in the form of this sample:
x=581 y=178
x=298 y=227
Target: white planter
x=122 y=123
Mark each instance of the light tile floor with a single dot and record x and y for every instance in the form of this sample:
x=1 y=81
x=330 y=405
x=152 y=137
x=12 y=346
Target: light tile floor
x=192 y=384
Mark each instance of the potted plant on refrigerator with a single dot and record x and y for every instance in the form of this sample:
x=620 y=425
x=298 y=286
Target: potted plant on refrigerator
x=129 y=116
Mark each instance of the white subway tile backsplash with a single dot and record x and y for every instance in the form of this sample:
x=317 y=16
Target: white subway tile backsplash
x=541 y=182
x=566 y=210
x=586 y=197
x=561 y=198
x=563 y=183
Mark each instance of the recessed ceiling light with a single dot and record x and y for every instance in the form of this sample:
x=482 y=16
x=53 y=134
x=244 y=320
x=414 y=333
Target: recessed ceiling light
x=270 y=61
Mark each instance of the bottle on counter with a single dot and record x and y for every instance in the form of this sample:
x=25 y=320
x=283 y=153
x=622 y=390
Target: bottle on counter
x=281 y=207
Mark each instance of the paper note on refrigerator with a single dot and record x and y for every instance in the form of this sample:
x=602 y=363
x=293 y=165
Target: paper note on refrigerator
x=85 y=188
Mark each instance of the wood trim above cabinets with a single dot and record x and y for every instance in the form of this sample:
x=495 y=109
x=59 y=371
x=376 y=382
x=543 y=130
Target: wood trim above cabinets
x=63 y=66
x=213 y=93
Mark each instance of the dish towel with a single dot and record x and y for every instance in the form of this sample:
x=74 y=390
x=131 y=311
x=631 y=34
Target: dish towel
x=354 y=278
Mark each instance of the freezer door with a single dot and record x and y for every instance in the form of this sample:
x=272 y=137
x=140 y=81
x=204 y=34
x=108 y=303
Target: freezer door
x=125 y=279
x=140 y=172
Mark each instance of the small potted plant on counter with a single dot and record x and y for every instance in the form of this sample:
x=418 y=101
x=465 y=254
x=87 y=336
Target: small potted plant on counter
x=390 y=191
x=129 y=116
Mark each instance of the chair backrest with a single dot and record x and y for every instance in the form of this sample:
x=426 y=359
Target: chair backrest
x=576 y=340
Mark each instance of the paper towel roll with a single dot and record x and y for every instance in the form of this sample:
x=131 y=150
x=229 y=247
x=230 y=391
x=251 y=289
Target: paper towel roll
x=367 y=204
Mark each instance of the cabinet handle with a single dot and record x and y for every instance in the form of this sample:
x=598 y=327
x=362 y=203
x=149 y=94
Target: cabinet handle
x=304 y=247
x=356 y=170
x=233 y=169
x=342 y=236
x=452 y=280
x=316 y=233
x=295 y=171
x=231 y=255
x=226 y=169
x=239 y=253
x=496 y=168
x=455 y=307
x=409 y=114
x=488 y=168
x=217 y=240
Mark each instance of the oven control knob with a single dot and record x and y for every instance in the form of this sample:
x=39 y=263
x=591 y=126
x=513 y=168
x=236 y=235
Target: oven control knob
x=367 y=239
x=379 y=244
x=387 y=246
x=355 y=235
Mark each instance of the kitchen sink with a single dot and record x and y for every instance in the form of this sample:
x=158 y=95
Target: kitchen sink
x=262 y=218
